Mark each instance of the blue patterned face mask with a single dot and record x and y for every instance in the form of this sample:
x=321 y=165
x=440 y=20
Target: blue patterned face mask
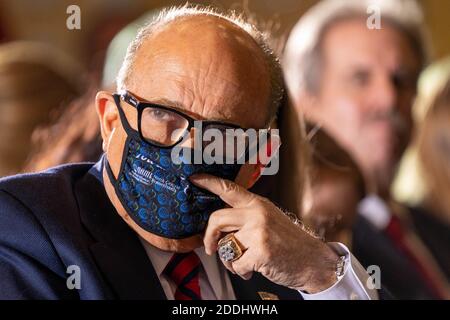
x=158 y=195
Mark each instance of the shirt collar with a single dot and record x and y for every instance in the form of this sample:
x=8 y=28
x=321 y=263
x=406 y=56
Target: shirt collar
x=375 y=210
x=214 y=270
x=97 y=168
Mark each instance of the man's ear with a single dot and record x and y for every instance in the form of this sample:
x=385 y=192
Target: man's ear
x=108 y=115
x=250 y=173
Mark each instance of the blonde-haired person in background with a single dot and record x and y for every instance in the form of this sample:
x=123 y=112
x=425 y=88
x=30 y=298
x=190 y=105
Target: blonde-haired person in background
x=434 y=153
x=433 y=145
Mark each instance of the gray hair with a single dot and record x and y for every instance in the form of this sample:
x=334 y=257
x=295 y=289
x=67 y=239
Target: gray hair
x=302 y=53
x=169 y=15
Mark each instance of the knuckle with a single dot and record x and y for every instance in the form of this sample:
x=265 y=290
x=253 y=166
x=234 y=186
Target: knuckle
x=263 y=216
x=237 y=267
x=228 y=186
x=240 y=267
x=214 y=219
x=268 y=272
x=256 y=200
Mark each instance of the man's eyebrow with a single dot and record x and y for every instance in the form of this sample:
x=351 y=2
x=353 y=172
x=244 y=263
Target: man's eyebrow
x=168 y=103
x=178 y=106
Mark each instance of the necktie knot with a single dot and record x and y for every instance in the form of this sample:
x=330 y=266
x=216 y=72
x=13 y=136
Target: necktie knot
x=183 y=269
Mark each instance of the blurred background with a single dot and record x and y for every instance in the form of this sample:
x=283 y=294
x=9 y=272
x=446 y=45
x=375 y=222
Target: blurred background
x=44 y=21
x=49 y=75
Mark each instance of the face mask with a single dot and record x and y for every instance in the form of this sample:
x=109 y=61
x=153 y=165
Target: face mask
x=158 y=195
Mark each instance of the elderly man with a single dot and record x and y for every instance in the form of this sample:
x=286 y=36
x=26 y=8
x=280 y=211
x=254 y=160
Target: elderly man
x=358 y=82
x=137 y=224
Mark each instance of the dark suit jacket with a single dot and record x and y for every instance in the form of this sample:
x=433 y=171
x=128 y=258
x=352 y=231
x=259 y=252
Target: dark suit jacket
x=435 y=234
x=63 y=217
x=373 y=247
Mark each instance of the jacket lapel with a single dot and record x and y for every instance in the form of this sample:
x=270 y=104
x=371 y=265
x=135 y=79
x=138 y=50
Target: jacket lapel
x=117 y=250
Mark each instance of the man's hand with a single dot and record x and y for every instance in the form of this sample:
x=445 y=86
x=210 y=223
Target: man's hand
x=273 y=245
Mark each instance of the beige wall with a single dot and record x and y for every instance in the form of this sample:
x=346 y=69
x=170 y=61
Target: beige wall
x=45 y=20
x=437 y=13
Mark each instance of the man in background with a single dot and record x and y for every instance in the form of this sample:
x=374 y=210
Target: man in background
x=358 y=83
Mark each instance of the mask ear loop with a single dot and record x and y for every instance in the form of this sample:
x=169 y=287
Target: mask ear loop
x=123 y=118
x=272 y=146
x=110 y=173
x=128 y=130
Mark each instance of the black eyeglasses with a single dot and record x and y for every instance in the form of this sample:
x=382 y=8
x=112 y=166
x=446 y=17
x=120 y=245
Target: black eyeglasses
x=165 y=127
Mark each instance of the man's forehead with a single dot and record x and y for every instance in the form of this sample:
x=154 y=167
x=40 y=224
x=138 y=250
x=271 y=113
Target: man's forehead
x=208 y=24
x=351 y=41
x=211 y=70
x=219 y=102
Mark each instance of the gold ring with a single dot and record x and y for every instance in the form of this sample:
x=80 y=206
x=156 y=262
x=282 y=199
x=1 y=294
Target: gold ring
x=229 y=248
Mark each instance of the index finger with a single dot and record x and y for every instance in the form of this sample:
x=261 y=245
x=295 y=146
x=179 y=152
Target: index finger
x=230 y=192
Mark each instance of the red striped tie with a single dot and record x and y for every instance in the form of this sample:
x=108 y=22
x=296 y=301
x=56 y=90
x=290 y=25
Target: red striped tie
x=183 y=269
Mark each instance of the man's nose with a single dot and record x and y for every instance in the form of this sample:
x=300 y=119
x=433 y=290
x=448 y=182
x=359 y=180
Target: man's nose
x=384 y=95
x=191 y=138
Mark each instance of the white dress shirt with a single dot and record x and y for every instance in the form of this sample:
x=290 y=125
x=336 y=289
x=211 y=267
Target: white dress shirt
x=353 y=285
x=375 y=210
x=215 y=283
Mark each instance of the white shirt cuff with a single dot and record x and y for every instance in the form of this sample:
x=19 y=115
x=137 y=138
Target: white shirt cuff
x=351 y=286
